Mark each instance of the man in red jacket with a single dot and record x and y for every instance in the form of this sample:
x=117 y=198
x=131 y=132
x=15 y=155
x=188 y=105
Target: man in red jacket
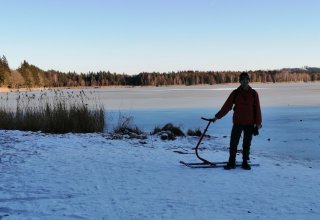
x=246 y=118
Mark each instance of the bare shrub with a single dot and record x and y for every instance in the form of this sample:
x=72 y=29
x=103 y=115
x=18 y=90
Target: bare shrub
x=126 y=127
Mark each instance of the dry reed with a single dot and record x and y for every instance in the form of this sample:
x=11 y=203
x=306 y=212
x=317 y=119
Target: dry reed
x=57 y=111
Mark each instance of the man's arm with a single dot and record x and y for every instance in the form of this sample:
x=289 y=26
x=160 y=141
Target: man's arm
x=227 y=106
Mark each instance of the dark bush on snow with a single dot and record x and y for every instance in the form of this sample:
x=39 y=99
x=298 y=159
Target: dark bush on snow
x=168 y=132
x=197 y=132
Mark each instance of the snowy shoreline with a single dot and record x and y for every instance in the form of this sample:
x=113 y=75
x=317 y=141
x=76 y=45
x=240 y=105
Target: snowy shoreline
x=89 y=176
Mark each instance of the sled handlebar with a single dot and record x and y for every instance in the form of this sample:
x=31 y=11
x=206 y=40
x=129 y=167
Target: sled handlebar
x=207 y=119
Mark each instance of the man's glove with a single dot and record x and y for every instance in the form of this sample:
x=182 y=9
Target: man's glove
x=213 y=119
x=256 y=130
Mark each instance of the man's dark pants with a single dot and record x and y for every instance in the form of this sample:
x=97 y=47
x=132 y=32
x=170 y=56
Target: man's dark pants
x=234 y=141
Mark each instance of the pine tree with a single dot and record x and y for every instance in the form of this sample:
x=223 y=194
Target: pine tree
x=1 y=71
x=4 y=69
x=5 y=63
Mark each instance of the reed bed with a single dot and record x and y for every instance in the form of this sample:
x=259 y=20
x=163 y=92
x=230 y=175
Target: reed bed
x=55 y=111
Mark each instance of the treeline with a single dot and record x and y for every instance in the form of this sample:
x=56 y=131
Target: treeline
x=30 y=76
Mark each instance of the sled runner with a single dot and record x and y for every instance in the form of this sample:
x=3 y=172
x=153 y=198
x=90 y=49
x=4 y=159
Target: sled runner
x=213 y=164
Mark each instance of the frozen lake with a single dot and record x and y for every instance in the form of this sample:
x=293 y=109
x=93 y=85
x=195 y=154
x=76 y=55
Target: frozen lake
x=280 y=94
x=290 y=113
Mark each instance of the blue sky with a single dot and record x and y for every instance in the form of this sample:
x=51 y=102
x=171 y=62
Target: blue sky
x=132 y=36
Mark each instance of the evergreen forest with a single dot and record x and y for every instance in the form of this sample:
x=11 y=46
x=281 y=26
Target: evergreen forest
x=31 y=76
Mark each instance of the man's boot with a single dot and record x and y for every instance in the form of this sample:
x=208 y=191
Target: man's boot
x=230 y=165
x=245 y=165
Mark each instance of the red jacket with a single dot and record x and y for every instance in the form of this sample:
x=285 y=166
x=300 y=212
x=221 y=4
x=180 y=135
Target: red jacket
x=247 y=107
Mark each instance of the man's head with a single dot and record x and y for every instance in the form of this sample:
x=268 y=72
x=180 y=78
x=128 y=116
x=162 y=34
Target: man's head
x=244 y=79
x=244 y=75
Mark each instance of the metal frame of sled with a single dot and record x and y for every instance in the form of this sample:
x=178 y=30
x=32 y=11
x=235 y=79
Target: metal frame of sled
x=205 y=163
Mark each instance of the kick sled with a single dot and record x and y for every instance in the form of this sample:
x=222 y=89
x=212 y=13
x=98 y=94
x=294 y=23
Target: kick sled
x=205 y=163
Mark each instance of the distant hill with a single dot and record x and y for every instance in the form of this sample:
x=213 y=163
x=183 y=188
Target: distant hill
x=308 y=69
x=313 y=69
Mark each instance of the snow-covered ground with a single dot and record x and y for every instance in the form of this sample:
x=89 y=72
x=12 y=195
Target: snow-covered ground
x=90 y=176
